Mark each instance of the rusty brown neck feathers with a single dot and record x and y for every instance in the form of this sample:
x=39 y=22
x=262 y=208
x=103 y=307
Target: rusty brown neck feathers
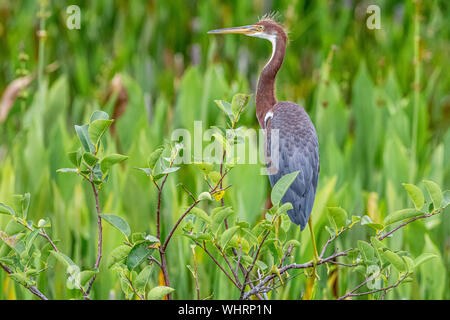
x=265 y=94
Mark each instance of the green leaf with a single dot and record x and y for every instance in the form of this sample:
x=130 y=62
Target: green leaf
x=415 y=194
x=409 y=264
x=282 y=185
x=170 y=170
x=424 y=257
x=285 y=222
x=226 y=108
x=22 y=279
x=30 y=239
x=44 y=223
x=68 y=170
x=147 y=171
x=201 y=214
x=25 y=204
x=238 y=103
x=221 y=139
x=151 y=238
x=214 y=176
x=205 y=167
x=396 y=260
x=99 y=115
x=90 y=159
x=83 y=135
x=205 y=196
x=285 y=208
x=14 y=227
x=61 y=257
x=338 y=217
x=4 y=209
x=97 y=129
x=401 y=215
x=378 y=246
x=227 y=235
x=142 y=279
x=138 y=254
x=111 y=160
x=158 y=293
x=366 y=221
x=445 y=199
x=154 y=157
x=118 y=254
x=435 y=193
x=292 y=242
x=117 y=222
x=85 y=276
x=219 y=215
x=75 y=157
x=367 y=252
x=19 y=247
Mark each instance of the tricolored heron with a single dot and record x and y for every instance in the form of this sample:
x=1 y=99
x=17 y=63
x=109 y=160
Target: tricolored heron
x=297 y=144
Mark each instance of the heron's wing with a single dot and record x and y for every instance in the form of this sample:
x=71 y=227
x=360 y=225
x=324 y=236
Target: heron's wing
x=298 y=151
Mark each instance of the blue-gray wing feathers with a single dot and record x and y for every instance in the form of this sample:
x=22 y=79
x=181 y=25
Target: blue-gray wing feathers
x=298 y=151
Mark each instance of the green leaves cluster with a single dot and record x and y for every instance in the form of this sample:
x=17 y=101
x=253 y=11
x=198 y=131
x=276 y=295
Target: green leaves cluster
x=161 y=161
x=374 y=258
x=234 y=110
x=135 y=265
x=86 y=159
x=208 y=230
x=20 y=248
x=439 y=200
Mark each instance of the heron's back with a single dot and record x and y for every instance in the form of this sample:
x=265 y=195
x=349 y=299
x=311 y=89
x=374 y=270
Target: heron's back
x=298 y=151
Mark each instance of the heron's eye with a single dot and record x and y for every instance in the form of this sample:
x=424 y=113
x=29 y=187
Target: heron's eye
x=260 y=28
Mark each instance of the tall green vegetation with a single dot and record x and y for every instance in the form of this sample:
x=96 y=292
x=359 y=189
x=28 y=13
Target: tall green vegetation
x=379 y=102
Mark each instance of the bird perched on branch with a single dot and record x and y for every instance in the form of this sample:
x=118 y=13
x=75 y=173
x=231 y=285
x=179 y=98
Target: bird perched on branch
x=297 y=147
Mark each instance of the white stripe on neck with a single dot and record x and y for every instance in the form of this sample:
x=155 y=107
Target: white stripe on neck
x=269 y=115
x=272 y=38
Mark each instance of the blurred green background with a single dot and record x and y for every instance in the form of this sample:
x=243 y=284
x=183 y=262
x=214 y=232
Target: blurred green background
x=375 y=131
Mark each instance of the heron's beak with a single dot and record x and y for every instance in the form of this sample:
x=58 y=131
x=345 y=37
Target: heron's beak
x=247 y=30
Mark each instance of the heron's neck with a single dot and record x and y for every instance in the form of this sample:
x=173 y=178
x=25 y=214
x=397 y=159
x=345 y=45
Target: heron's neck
x=265 y=94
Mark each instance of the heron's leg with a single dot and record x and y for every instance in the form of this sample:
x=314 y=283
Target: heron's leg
x=316 y=254
x=313 y=238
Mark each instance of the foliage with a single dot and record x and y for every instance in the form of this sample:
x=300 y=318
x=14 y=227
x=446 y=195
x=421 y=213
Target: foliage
x=360 y=95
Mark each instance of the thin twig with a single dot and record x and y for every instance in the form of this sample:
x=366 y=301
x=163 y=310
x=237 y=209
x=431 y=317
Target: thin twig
x=330 y=240
x=247 y=274
x=188 y=192
x=33 y=289
x=216 y=262
x=100 y=237
x=164 y=246
x=259 y=287
x=239 y=259
x=151 y=258
x=158 y=209
x=407 y=222
x=197 y=287
x=286 y=254
x=235 y=274
x=353 y=294
x=134 y=290
x=45 y=235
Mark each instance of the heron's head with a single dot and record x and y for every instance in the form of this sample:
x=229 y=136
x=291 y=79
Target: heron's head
x=266 y=28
